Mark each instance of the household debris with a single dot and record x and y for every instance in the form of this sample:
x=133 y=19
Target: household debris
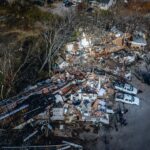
x=103 y=4
x=82 y=93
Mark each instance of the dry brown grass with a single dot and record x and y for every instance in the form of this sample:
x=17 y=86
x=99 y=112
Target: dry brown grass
x=139 y=6
x=22 y=34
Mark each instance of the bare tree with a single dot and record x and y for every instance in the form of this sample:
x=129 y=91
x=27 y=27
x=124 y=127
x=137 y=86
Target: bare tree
x=55 y=36
x=9 y=70
x=6 y=67
x=15 y=73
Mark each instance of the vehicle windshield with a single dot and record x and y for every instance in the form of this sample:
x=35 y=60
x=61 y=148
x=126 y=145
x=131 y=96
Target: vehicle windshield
x=120 y=96
x=132 y=99
x=128 y=87
x=119 y=85
x=129 y=98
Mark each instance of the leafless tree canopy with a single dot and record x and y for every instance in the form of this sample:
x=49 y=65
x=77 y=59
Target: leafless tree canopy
x=55 y=36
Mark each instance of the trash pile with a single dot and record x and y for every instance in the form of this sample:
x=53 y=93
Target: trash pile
x=85 y=90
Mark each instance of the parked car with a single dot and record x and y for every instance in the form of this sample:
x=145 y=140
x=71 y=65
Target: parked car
x=127 y=98
x=124 y=87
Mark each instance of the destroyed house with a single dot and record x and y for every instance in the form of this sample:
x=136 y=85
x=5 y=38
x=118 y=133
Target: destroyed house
x=26 y=110
x=57 y=114
x=10 y=119
x=66 y=88
x=103 y=118
x=37 y=104
x=138 y=41
x=8 y=105
x=53 y=87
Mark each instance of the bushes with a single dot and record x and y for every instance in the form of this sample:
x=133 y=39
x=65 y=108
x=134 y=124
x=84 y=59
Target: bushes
x=24 y=14
x=35 y=14
x=103 y=13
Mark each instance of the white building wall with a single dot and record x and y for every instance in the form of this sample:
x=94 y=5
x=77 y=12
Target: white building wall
x=107 y=6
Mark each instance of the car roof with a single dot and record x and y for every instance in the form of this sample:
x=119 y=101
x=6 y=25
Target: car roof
x=127 y=96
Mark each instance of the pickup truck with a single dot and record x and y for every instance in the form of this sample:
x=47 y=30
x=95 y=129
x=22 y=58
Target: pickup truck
x=126 y=98
x=127 y=88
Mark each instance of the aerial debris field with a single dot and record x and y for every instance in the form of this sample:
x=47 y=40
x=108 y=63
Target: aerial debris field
x=88 y=92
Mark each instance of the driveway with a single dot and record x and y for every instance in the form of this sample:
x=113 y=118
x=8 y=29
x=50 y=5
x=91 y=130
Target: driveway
x=136 y=135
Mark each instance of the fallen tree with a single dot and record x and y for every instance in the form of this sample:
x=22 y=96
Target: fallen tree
x=57 y=34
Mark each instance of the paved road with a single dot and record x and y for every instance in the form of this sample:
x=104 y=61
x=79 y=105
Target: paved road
x=136 y=135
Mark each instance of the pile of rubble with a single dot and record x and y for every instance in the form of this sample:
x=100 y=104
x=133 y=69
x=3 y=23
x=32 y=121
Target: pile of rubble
x=85 y=90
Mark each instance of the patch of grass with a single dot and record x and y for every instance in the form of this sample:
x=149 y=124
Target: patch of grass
x=51 y=6
x=35 y=14
x=103 y=12
x=24 y=16
x=3 y=10
x=74 y=36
